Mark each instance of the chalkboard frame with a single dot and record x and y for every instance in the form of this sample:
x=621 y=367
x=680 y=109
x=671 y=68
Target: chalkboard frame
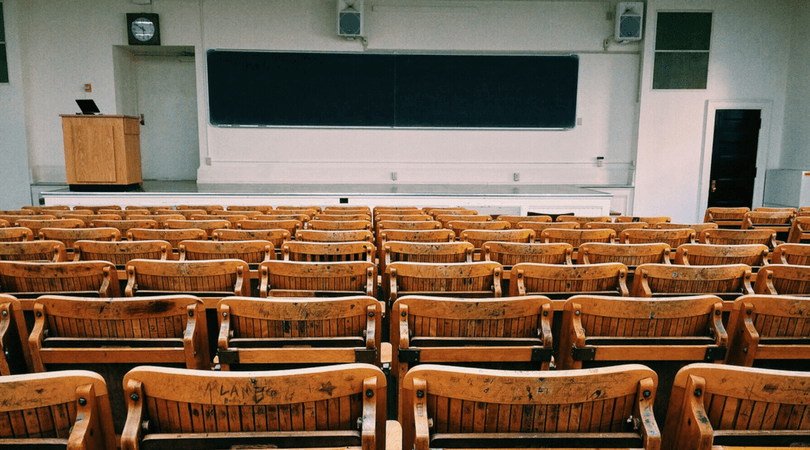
x=391 y=90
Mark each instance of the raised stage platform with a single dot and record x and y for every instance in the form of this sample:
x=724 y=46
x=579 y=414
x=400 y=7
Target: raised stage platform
x=487 y=199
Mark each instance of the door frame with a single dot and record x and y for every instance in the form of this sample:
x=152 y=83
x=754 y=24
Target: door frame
x=763 y=148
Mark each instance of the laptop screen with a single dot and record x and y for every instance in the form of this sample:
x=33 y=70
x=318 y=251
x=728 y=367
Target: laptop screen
x=88 y=106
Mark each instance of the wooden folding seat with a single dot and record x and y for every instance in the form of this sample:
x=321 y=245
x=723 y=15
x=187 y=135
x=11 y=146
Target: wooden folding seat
x=253 y=208
x=753 y=255
x=698 y=227
x=769 y=328
x=538 y=227
x=252 y=252
x=726 y=217
x=37 y=224
x=125 y=214
x=727 y=281
x=68 y=409
x=42 y=251
x=121 y=252
x=168 y=329
x=212 y=278
x=16 y=234
x=230 y=213
x=803 y=211
x=40 y=209
x=563 y=281
x=396 y=210
x=781 y=279
x=334 y=236
x=511 y=253
x=778 y=221
x=188 y=213
x=160 y=219
x=340 y=406
x=124 y=226
x=348 y=209
x=795 y=254
x=208 y=225
x=311 y=210
x=648 y=219
x=275 y=237
x=460 y=225
x=618 y=227
x=15 y=356
x=322 y=279
x=631 y=255
x=437 y=210
x=434 y=252
x=339 y=225
x=723 y=236
x=69 y=236
x=4 y=224
x=775 y=209
x=96 y=208
x=206 y=208
x=475 y=279
x=799 y=230
x=715 y=406
x=576 y=237
x=602 y=329
x=478 y=237
x=328 y=251
x=24 y=279
x=504 y=333
x=14 y=218
x=672 y=237
x=326 y=216
x=402 y=218
x=80 y=213
x=89 y=218
x=582 y=220
x=275 y=216
x=269 y=333
x=455 y=407
x=232 y=218
x=18 y=212
x=515 y=220
x=447 y=218
x=169 y=211
x=292 y=226
x=173 y=237
x=151 y=209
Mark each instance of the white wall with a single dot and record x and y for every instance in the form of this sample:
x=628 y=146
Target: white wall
x=796 y=142
x=14 y=175
x=748 y=61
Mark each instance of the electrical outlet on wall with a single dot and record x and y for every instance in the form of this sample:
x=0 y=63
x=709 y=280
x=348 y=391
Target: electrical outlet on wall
x=516 y=176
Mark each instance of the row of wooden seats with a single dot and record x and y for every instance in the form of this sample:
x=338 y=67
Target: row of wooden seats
x=790 y=222
x=342 y=406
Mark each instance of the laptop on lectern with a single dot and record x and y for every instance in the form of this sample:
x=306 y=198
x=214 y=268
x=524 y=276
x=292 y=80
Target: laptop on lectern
x=88 y=106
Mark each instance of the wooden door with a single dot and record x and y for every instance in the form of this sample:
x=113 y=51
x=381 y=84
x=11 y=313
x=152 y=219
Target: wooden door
x=734 y=157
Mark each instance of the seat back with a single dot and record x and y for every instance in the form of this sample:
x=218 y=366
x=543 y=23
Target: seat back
x=636 y=329
x=275 y=237
x=447 y=218
x=123 y=226
x=538 y=227
x=307 y=330
x=173 y=237
x=206 y=208
x=582 y=220
x=37 y=224
x=68 y=409
x=514 y=220
x=769 y=327
x=796 y=254
x=727 y=281
x=316 y=407
x=799 y=230
x=158 y=330
x=15 y=356
x=44 y=251
x=671 y=237
x=32 y=279
x=474 y=279
x=530 y=409
x=290 y=225
x=217 y=277
x=726 y=217
x=562 y=281
x=460 y=225
x=252 y=252
x=698 y=227
x=260 y=208
x=340 y=224
x=778 y=221
x=478 y=237
x=714 y=404
x=753 y=255
x=722 y=236
x=328 y=251
x=233 y=218
x=334 y=236
x=577 y=237
x=89 y=217
x=631 y=255
x=511 y=253
x=779 y=279
x=336 y=216
x=309 y=279
x=208 y=225
x=69 y=236
x=121 y=252
x=618 y=227
x=648 y=219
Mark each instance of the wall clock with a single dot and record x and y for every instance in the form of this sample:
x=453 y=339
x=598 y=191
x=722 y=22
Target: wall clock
x=143 y=29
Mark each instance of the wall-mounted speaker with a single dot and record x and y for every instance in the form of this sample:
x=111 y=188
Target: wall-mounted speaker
x=629 y=20
x=350 y=18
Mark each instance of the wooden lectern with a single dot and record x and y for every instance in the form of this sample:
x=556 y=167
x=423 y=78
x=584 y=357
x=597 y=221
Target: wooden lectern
x=102 y=152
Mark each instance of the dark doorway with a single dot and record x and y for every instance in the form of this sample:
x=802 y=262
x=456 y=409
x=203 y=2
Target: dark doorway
x=734 y=157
